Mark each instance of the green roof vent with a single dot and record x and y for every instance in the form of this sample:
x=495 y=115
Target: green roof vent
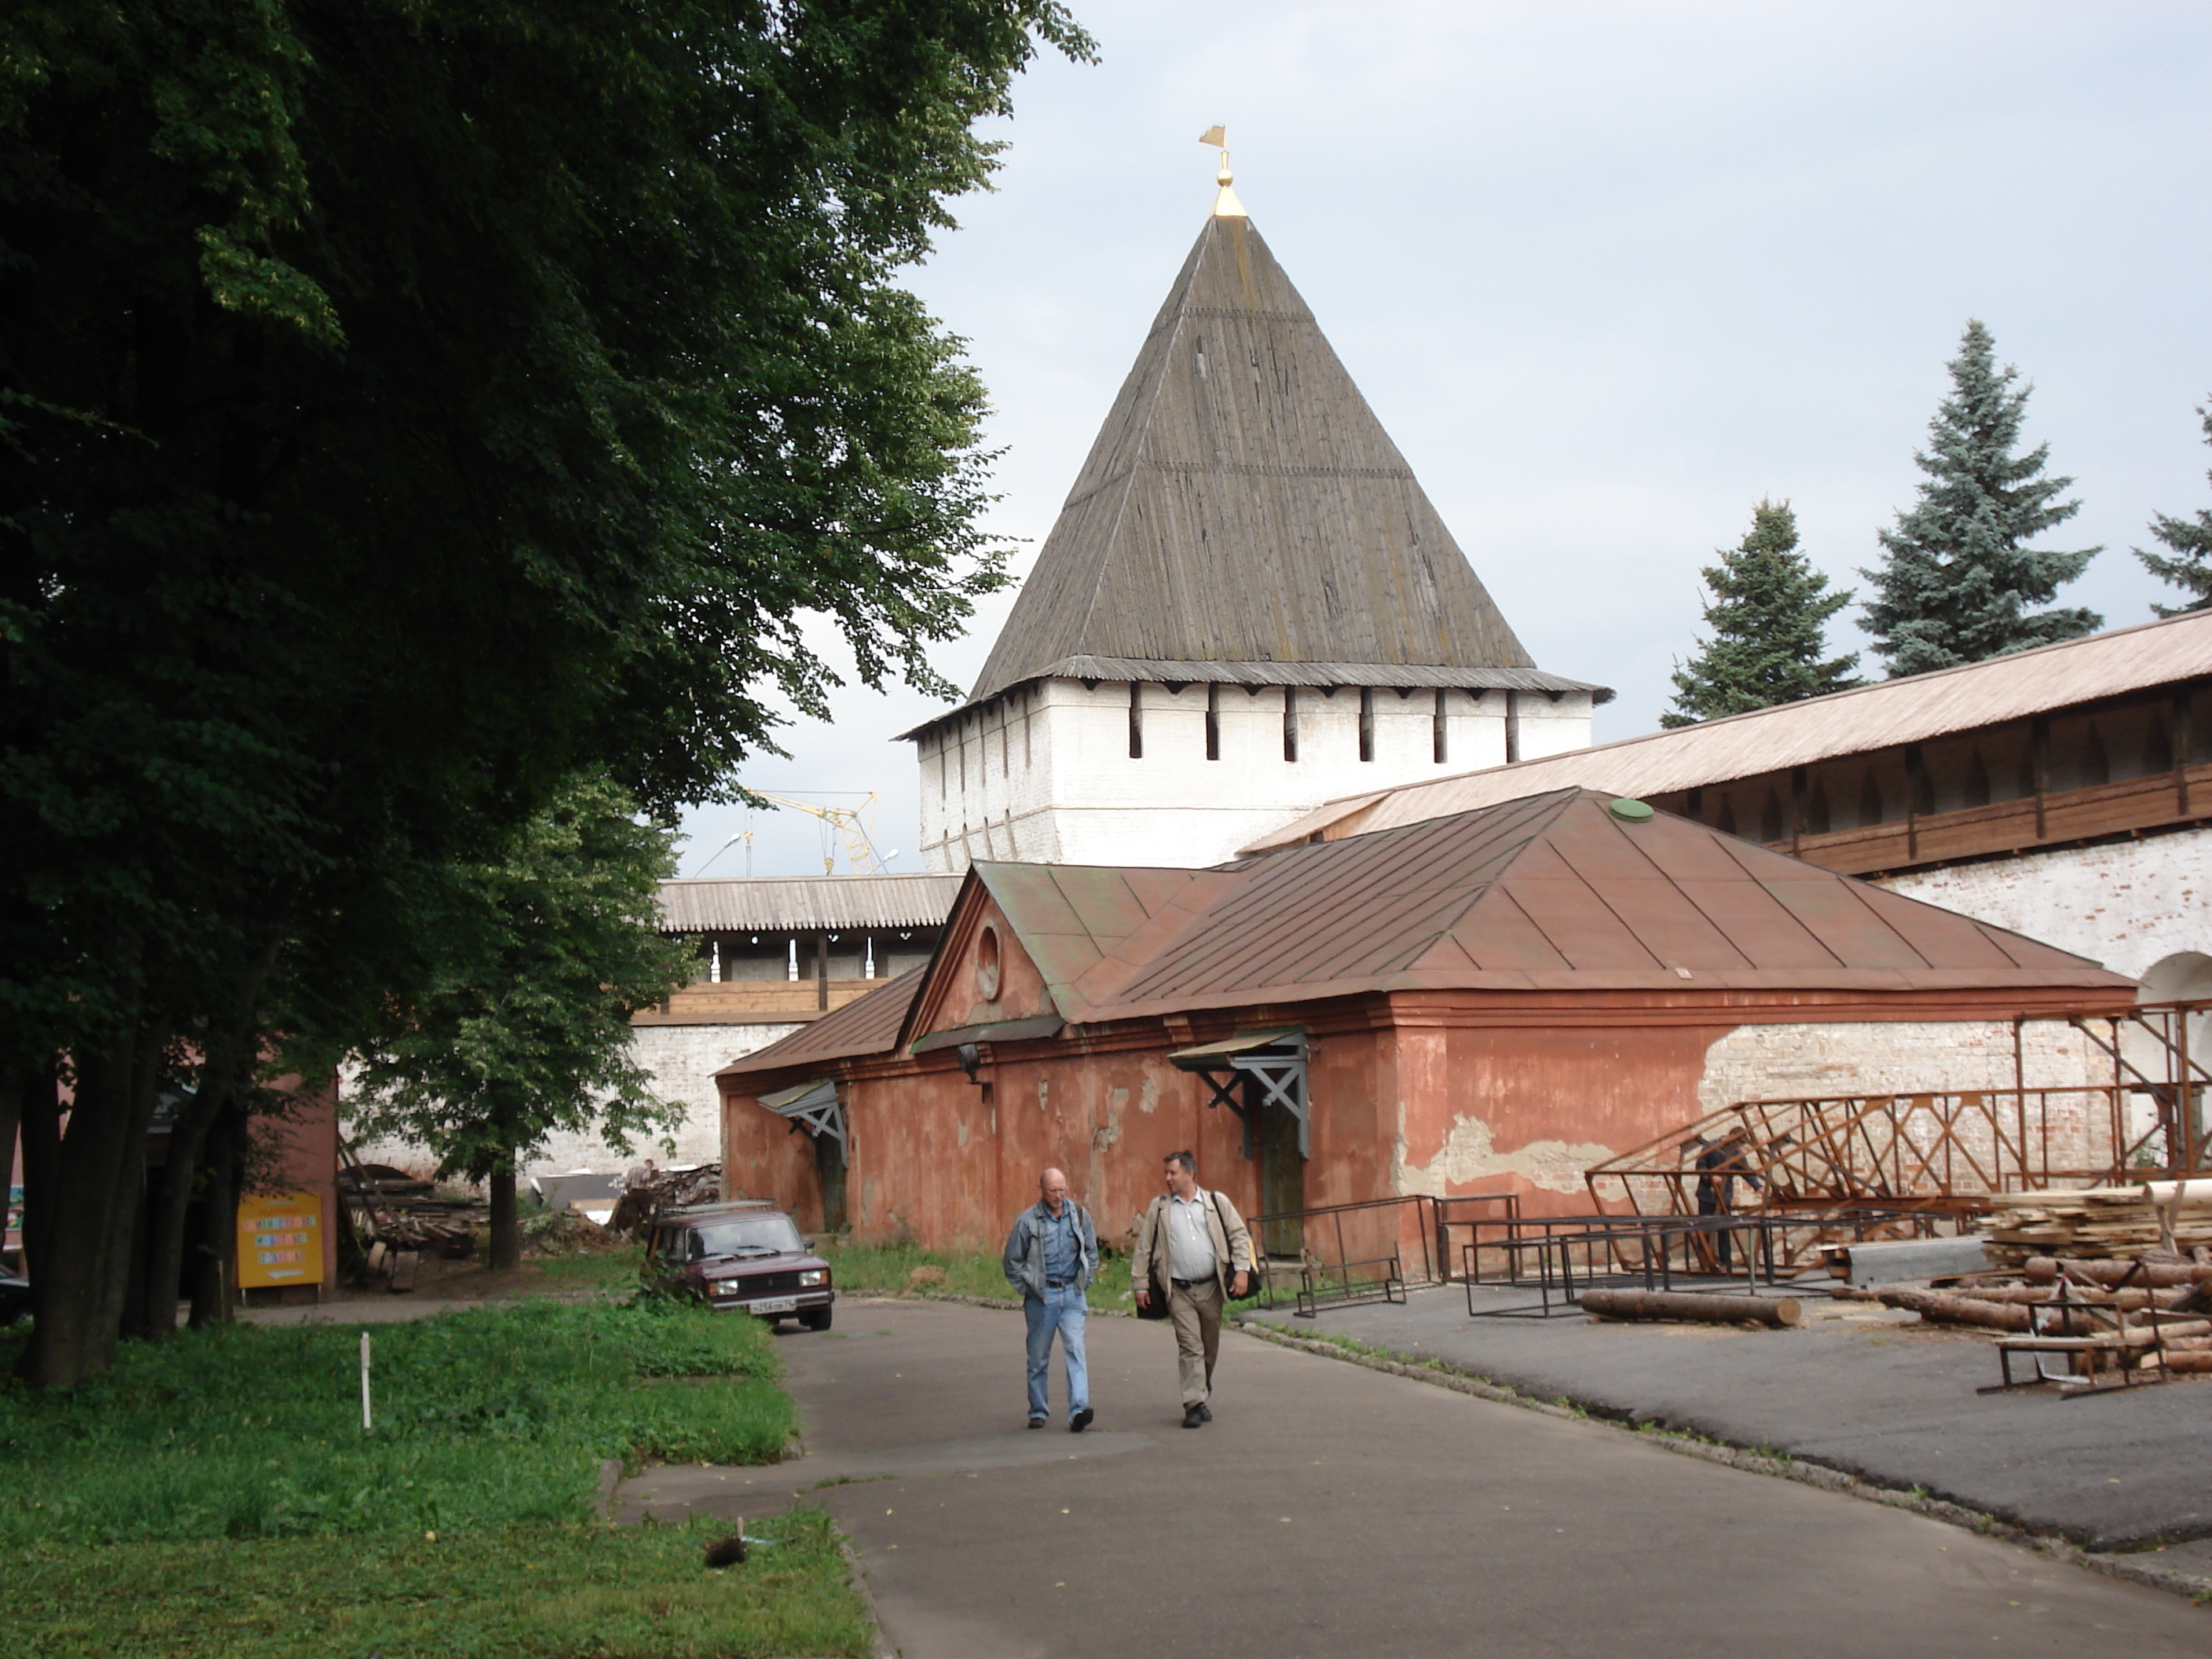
x=1632 y=811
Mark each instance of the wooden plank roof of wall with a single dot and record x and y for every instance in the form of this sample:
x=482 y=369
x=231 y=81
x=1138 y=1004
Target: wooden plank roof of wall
x=805 y=903
x=1242 y=504
x=1883 y=716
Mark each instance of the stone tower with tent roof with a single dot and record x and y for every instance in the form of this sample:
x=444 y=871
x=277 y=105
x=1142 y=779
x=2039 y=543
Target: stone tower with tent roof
x=1246 y=607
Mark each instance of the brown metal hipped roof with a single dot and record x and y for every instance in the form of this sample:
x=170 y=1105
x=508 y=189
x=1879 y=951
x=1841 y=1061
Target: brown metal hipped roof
x=1551 y=893
x=1242 y=504
x=869 y=1025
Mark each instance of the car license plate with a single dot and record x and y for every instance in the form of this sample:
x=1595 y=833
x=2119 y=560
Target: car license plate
x=769 y=1304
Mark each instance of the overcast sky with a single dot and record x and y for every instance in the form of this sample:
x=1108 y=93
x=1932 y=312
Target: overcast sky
x=1608 y=274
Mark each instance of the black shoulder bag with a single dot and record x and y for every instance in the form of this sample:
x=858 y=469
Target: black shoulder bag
x=1155 y=1306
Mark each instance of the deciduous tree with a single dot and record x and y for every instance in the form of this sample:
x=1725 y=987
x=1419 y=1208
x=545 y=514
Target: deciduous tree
x=543 y=952
x=404 y=405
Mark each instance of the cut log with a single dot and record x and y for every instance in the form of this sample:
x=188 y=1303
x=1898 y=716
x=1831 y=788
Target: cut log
x=2044 y=1270
x=2190 y=1359
x=1942 y=1308
x=1692 y=1306
x=2099 y=1297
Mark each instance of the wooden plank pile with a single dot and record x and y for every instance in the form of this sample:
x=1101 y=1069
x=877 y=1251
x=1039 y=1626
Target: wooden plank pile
x=2099 y=1223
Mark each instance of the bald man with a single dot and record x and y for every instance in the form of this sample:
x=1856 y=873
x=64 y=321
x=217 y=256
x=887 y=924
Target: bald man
x=1050 y=1255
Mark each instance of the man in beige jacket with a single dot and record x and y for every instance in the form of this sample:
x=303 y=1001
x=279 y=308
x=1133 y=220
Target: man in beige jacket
x=1188 y=1242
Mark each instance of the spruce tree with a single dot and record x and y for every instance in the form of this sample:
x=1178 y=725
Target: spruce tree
x=1959 y=579
x=2190 y=569
x=1768 y=610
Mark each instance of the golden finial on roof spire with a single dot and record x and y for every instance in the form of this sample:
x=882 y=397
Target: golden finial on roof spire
x=1225 y=205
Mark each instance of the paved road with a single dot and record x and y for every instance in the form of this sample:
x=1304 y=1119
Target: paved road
x=1332 y=1511
x=1859 y=1387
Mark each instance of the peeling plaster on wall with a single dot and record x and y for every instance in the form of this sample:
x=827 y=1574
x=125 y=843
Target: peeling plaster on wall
x=868 y=1200
x=1148 y=1097
x=2127 y=904
x=1044 y=1095
x=1105 y=1136
x=1793 y=1062
x=960 y=1131
x=1468 y=1155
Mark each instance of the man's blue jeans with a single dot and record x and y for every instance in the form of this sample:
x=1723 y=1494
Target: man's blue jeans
x=1059 y=1310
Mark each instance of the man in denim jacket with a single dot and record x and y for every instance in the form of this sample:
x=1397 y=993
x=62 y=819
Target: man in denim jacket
x=1051 y=1255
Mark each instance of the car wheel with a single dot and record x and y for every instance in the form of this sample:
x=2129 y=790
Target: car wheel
x=817 y=1319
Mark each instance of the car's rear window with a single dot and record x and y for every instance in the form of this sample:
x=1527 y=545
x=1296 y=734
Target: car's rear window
x=752 y=1235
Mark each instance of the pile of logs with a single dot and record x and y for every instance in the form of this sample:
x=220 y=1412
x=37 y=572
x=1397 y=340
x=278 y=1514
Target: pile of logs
x=2111 y=1223
x=394 y=1215
x=666 y=1189
x=2137 y=1312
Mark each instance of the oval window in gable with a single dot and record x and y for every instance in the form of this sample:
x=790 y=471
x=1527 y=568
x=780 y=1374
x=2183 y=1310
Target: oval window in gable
x=986 y=965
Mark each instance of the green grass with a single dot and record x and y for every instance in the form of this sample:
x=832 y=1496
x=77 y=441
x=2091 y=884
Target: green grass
x=186 y=1503
x=491 y=1418
x=544 y=1592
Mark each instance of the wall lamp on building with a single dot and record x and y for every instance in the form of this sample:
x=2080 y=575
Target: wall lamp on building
x=970 y=1057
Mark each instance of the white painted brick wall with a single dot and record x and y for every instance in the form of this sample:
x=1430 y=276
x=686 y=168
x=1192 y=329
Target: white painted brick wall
x=2128 y=904
x=1045 y=773
x=682 y=1059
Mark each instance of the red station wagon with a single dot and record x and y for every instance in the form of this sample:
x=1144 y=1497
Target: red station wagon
x=742 y=1258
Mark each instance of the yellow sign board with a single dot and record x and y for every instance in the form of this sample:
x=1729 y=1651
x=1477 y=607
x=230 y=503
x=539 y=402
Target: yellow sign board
x=280 y=1240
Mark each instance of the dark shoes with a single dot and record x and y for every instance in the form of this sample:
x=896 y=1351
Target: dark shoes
x=1080 y=1421
x=1205 y=1413
x=1038 y=1422
x=1195 y=1415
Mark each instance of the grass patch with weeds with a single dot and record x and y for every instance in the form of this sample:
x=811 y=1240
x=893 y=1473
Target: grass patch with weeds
x=186 y=1503
x=489 y=1418
x=620 y=1592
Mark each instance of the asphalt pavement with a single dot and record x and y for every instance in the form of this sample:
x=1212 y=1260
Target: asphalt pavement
x=1332 y=1510
x=1859 y=1387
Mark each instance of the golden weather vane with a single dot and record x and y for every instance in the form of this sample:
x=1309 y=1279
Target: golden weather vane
x=1225 y=205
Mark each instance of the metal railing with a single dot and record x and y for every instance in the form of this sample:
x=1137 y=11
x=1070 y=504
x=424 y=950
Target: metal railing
x=1352 y=1252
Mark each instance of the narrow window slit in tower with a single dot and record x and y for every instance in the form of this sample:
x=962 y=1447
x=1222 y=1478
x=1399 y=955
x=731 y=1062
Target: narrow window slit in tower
x=1213 y=722
x=1438 y=742
x=1136 y=720
x=1290 y=722
x=1366 y=723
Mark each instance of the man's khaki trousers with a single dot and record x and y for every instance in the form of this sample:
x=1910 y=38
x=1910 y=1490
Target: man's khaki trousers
x=1197 y=1315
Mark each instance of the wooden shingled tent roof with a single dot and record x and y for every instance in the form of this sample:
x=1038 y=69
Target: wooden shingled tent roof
x=1243 y=517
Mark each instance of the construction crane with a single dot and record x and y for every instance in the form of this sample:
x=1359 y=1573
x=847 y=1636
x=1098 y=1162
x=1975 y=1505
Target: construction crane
x=855 y=824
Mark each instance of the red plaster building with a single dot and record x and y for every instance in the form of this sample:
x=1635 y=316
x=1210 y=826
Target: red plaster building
x=1489 y=1001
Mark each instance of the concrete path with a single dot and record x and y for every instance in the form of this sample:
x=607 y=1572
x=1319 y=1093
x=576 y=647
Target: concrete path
x=1332 y=1511
x=1860 y=1387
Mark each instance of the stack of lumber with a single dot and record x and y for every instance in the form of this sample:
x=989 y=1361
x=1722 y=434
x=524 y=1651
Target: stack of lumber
x=2100 y=1222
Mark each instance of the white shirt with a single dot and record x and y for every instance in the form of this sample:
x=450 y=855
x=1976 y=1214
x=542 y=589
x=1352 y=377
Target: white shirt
x=1190 y=1240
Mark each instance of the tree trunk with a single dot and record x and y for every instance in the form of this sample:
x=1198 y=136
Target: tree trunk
x=213 y=1261
x=13 y=1079
x=40 y=1123
x=506 y=1232
x=87 y=1212
x=172 y=1195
